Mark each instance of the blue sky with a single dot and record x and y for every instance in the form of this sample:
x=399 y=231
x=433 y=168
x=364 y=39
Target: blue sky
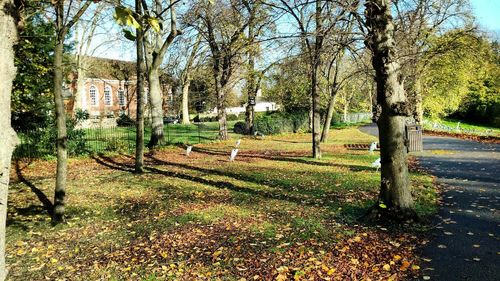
x=487 y=13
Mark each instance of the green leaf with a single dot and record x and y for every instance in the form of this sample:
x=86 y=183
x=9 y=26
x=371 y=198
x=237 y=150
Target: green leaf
x=382 y=205
x=129 y=35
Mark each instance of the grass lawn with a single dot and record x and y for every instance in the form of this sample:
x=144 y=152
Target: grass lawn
x=273 y=214
x=465 y=127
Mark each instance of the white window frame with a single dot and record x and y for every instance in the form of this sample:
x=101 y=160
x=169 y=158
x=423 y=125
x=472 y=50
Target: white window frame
x=95 y=100
x=108 y=91
x=122 y=101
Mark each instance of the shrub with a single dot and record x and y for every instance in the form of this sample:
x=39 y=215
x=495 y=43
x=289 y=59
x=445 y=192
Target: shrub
x=240 y=128
x=116 y=145
x=280 y=122
x=124 y=121
x=233 y=117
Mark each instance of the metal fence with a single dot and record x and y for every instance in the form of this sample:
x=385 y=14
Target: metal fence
x=42 y=143
x=436 y=126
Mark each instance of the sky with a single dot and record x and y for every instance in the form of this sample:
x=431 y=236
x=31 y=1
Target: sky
x=487 y=13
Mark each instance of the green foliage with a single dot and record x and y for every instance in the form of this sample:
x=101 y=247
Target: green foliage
x=124 y=121
x=240 y=128
x=461 y=78
x=32 y=97
x=282 y=122
x=233 y=117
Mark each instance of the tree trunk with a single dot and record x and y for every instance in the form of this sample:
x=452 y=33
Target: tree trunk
x=251 y=87
x=8 y=141
x=156 y=104
x=419 y=110
x=391 y=97
x=316 y=118
x=221 y=114
x=80 y=96
x=140 y=68
x=62 y=138
x=329 y=116
x=185 y=99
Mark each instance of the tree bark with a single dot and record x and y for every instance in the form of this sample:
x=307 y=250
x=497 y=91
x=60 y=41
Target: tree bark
x=139 y=123
x=316 y=62
x=391 y=97
x=221 y=113
x=8 y=141
x=329 y=116
x=156 y=52
x=62 y=138
x=185 y=99
x=155 y=98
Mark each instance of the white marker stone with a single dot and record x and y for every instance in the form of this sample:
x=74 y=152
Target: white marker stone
x=373 y=146
x=188 y=150
x=234 y=152
x=238 y=143
x=377 y=164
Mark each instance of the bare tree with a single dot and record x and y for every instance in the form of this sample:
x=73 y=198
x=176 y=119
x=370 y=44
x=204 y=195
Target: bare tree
x=222 y=26
x=156 y=47
x=395 y=198
x=8 y=141
x=186 y=79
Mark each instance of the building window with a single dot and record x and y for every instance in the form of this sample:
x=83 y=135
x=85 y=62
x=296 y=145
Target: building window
x=107 y=95
x=93 y=95
x=121 y=97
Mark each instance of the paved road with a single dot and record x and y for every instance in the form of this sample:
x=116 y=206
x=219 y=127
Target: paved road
x=466 y=244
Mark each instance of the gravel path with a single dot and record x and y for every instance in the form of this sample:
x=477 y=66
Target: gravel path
x=466 y=244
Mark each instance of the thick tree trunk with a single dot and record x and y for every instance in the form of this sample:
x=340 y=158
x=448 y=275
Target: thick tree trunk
x=329 y=117
x=185 y=99
x=139 y=123
x=391 y=97
x=8 y=141
x=155 y=97
x=62 y=138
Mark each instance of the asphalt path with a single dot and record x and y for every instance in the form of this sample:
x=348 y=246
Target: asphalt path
x=466 y=236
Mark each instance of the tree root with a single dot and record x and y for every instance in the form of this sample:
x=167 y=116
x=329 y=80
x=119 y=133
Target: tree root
x=378 y=214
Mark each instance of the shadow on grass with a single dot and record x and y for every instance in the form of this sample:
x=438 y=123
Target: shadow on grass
x=315 y=198
x=293 y=159
x=47 y=204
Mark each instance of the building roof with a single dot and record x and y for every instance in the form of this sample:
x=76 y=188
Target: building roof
x=103 y=68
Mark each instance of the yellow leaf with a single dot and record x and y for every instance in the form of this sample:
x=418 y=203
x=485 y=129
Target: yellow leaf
x=404 y=266
x=331 y=271
x=281 y=277
x=53 y=260
x=386 y=267
x=397 y=257
x=357 y=239
x=415 y=267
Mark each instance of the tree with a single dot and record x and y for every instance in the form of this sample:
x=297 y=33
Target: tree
x=156 y=48
x=32 y=97
x=416 y=23
x=222 y=25
x=395 y=200
x=8 y=141
x=62 y=27
x=186 y=77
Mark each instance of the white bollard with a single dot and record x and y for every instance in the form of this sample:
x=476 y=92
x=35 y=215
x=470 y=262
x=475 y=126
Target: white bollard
x=373 y=146
x=188 y=150
x=238 y=143
x=234 y=152
x=377 y=164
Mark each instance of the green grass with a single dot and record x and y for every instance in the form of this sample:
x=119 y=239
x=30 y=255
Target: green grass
x=203 y=217
x=465 y=127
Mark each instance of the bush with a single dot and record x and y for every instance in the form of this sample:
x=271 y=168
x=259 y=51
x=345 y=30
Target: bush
x=280 y=122
x=240 y=128
x=124 y=121
x=116 y=145
x=233 y=117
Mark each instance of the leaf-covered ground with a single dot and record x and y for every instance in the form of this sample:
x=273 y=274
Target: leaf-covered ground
x=273 y=214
